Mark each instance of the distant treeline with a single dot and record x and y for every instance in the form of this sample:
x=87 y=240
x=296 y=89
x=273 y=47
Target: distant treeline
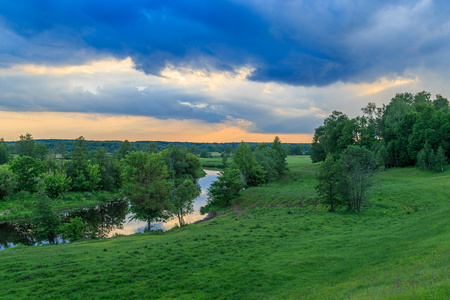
x=55 y=146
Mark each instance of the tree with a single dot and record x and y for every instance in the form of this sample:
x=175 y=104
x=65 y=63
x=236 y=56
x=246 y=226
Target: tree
x=25 y=145
x=56 y=184
x=440 y=103
x=245 y=160
x=225 y=188
x=8 y=182
x=184 y=170
x=27 y=170
x=440 y=159
x=74 y=230
x=109 y=170
x=330 y=181
x=125 y=148
x=183 y=200
x=4 y=155
x=359 y=165
x=147 y=187
x=40 y=152
x=46 y=221
x=279 y=156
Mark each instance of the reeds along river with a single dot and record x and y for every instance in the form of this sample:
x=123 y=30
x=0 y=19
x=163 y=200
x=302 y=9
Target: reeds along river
x=107 y=219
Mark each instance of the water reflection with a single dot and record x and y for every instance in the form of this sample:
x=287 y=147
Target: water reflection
x=106 y=220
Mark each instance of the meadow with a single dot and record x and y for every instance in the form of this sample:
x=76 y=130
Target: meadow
x=277 y=241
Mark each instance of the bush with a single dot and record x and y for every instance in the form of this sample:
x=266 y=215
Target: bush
x=75 y=230
x=56 y=184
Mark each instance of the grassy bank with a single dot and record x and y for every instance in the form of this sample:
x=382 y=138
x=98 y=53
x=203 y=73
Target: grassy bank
x=276 y=242
x=19 y=206
x=214 y=162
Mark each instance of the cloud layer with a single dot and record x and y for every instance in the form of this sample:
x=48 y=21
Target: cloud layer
x=292 y=42
x=266 y=67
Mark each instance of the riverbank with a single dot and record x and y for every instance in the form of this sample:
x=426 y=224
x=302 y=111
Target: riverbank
x=19 y=207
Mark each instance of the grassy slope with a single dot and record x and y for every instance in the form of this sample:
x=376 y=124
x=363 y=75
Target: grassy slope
x=398 y=246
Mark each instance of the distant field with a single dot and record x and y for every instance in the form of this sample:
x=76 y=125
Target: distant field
x=215 y=162
x=277 y=242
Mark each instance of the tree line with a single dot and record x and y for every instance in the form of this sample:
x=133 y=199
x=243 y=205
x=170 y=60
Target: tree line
x=396 y=132
x=412 y=130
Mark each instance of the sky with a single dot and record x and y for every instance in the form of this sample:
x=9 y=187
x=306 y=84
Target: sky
x=211 y=71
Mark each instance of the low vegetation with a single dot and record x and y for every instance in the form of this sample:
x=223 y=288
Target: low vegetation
x=276 y=241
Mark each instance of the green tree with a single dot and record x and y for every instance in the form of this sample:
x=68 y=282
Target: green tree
x=225 y=188
x=93 y=177
x=56 y=184
x=147 y=187
x=359 y=166
x=8 y=182
x=440 y=160
x=330 y=181
x=46 y=222
x=40 y=152
x=27 y=170
x=440 y=103
x=279 y=156
x=25 y=145
x=182 y=167
x=183 y=200
x=109 y=169
x=125 y=148
x=74 y=230
x=4 y=155
x=245 y=160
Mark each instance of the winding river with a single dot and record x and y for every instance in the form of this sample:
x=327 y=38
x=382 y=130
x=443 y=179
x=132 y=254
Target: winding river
x=109 y=219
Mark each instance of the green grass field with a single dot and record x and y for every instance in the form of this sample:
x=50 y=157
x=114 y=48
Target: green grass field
x=276 y=242
x=215 y=162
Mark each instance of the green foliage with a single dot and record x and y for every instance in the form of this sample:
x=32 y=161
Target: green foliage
x=359 y=166
x=26 y=170
x=125 y=148
x=253 y=174
x=184 y=169
x=225 y=188
x=147 y=187
x=279 y=156
x=25 y=145
x=94 y=177
x=8 y=182
x=183 y=199
x=40 y=152
x=74 y=230
x=56 y=184
x=45 y=221
x=330 y=178
x=4 y=155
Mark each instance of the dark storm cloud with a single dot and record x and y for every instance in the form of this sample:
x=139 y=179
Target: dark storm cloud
x=292 y=42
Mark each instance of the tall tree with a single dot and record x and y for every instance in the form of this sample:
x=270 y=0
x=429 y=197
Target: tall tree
x=279 y=156
x=4 y=155
x=183 y=167
x=359 y=165
x=25 y=145
x=27 y=170
x=330 y=181
x=147 y=186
